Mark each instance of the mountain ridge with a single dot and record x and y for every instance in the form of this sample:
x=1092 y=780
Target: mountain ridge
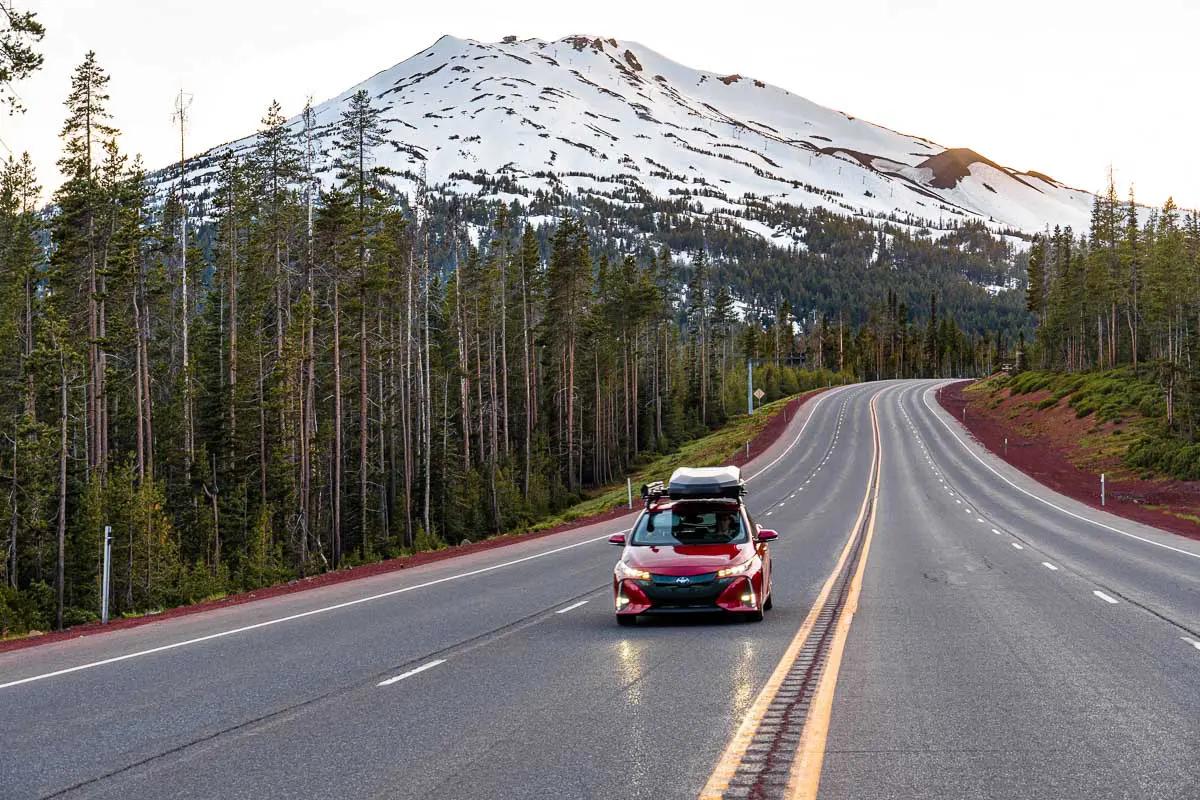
x=600 y=115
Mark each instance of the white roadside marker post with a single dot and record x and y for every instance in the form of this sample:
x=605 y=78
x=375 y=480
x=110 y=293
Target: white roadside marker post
x=1101 y=488
x=629 y=488
x=106 y=580
x=749 y=403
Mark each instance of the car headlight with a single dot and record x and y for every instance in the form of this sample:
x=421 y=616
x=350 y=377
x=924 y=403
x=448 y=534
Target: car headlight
x=623 y=571
x=740 y=569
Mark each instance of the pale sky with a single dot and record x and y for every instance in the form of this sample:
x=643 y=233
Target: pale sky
x=1065 y=87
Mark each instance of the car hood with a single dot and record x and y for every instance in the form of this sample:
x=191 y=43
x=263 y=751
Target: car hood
x=688 y=559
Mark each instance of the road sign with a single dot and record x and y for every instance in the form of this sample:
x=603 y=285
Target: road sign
x=759 y=394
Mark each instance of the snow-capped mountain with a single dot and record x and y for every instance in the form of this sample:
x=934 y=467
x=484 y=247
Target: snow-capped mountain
x=600 y=116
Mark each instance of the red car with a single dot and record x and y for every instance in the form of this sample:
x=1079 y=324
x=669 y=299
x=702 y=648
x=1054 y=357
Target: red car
x=694 y=549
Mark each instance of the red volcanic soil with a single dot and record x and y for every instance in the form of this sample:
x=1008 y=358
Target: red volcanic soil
x=1048 y=446
x=765 y=438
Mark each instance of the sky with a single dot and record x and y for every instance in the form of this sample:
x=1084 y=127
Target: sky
x=1065 y=87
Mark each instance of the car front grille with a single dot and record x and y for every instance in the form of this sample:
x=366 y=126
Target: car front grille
x=697 y=590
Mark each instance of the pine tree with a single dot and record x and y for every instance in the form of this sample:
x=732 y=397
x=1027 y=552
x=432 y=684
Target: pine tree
x=80 y=237
x=19 y=31
x=20 y=260
x=698 y=310
x=932 y=345
x=361 y=130
x=568 y=286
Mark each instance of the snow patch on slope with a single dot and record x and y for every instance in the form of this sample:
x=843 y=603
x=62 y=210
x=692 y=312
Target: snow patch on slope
x=606 y=117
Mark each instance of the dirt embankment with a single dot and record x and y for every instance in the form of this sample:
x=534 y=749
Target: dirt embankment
x=761 y=442
x=1067 y=454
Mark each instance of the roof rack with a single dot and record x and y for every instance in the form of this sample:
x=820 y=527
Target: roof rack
x=653 y=491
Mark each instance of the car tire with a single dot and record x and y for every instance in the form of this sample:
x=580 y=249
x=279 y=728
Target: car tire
x=754 y=616
x=769 y=604
x=626 y=620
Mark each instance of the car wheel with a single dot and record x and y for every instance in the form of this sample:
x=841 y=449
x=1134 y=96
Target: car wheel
x=767 y=606
x=626 y=620
x=754 y=616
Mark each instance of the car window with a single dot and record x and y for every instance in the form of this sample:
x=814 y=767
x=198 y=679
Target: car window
x=690 y=525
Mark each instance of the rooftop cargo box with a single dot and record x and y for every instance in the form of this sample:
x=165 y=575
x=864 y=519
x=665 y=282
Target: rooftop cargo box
x=702 y=482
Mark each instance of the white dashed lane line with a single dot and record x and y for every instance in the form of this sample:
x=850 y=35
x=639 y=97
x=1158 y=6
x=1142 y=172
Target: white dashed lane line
x=1016 y=545
x=412 y=672
x=571 y=607
x=1191 y=641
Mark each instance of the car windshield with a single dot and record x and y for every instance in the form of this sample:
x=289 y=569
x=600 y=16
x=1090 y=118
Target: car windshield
x=690 y=524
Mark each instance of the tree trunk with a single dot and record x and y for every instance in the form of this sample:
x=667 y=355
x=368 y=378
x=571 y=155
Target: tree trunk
x=337 y=426
x=504 y=344
x=139 y=391
x=571 y=479
x=262 y=429
x=527 y=369
x=363 y=398
x=232 y=280
x=62 y=487
x=427 y=281
x=464 y=382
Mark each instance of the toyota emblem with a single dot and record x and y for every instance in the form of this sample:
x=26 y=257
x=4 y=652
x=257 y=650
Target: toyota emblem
x=683 y=581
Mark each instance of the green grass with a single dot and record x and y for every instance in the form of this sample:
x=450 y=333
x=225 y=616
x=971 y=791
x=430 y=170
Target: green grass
x=712 y=450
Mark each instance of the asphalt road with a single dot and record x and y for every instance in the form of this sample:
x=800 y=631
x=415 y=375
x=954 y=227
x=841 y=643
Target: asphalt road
x=970 y=669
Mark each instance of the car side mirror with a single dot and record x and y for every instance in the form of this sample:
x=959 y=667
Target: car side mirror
x=766 y=535
x=617 y=539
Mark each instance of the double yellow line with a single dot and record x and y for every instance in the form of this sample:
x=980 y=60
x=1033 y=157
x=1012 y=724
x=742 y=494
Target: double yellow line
x=805 y=773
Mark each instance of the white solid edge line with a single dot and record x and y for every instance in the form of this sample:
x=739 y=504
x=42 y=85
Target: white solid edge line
x=1049 y=566
x=571 y=607
x=811 y=414
x=1081 y=518
x=290 y=617
x=412 y=672
x=1104 y=597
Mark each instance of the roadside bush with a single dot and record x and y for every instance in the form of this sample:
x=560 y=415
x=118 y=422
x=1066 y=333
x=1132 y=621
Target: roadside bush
x=1174 y=457
x=22 y=612
x=1028 y=382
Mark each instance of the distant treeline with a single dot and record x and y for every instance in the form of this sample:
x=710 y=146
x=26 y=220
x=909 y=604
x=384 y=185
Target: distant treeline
x=1127 y=293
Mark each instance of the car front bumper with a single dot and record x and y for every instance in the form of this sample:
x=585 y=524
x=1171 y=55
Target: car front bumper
x=699 y=594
